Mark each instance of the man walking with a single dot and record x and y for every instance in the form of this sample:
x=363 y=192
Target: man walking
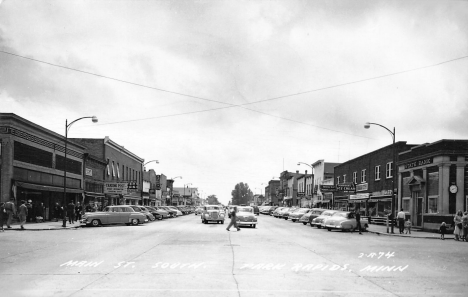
x=358 y=221
x=11 y=210
x=78 y=211
x=71 y=212
x=233 y=219
x=401 y=220
x=22 y=214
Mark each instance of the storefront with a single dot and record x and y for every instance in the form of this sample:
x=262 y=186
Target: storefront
x=341 y=203
x=358 y=203
x=433 y=182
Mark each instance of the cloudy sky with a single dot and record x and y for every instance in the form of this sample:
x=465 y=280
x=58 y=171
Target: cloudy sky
x=222 y=92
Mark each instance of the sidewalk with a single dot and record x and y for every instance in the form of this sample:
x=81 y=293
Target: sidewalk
x=48 y=225
x=382 y=230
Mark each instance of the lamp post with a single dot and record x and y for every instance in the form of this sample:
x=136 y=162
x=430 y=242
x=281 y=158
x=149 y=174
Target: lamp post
x=67 y=127
x=367 y=126
x=172 y=200
x=305 y=178
x=142 y=182
x=184 y=191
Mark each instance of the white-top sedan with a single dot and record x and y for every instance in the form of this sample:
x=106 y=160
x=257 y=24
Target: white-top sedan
x=245 y=216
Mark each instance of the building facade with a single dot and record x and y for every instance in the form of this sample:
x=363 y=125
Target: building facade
x=433 y=182
x=271 y=192
x=32 y=163
x=323 y=171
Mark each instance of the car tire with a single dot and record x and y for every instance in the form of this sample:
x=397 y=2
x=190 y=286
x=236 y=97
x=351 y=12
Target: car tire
x=304 y=223
x=134 y=222
x=329 y=229
x=293 y=221
x=160 y=218
x=286 y=219
x=318 y=226
x=255 y=226
x=95 y=223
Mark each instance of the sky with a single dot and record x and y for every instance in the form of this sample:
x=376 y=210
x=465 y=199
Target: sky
x=222 y=92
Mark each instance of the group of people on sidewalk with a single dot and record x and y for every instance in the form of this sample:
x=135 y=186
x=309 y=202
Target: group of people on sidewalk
x=8 y=210
x=460 y=222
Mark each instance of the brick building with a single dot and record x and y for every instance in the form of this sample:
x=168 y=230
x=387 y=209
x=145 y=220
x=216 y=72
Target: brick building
x=271 y=192
x=370 y=178
x=122 y=166
x=32 y=161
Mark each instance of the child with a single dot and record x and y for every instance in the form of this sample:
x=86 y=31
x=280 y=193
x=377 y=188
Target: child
x=442 y=230
x=408 y=226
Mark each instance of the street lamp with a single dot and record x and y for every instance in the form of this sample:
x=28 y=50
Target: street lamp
x=367 y=126
x=185 y=202
x=157 y=162
x=67 y=127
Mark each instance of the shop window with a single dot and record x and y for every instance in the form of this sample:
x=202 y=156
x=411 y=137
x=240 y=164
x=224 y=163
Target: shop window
x=377 y=172
x=363 y=176
x=389 y=170
x=344 y=178
x=337 y=180
x=433 y=183
x=32 y=155
x=406 y=205
x=433 y=204
x=355 y=177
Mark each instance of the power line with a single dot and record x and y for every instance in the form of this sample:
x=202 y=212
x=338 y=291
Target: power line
x=230 y=105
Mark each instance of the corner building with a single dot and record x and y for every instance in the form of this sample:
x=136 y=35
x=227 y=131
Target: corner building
x=433 y=182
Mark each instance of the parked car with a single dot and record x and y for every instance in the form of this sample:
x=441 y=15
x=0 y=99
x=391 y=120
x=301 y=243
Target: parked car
x=172 y=212
x=198 y=211
x=264 y=209
x=178 y=212
x=318 y=221
x=298 y=213
x=156 y=213
x=277 y=212
x=344 y=221
x=143 y=210
x=121 y=214
x=245 y=216
x=312 y=214
x=162 y=211
x=272 y=209
x=285 y=213
x=212 y=213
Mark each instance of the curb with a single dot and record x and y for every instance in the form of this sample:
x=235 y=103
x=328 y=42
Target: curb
x=400 y=235
x=43 y=229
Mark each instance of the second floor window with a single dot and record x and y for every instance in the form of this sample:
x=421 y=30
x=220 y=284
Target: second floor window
x=344 y=178
x=355 y=177
x=377 y=172
x=337 y=180
x=363 y=176
x=118 y=172
x=113 y=169
x=389 y=170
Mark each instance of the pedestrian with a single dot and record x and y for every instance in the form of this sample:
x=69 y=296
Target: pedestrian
x=3 y=215
x=408 y=226
x=358 y=221
x=233 y=219
x=71 y=212
x=78 y=211
x=40 y=212
x=465 y=225
x=57 y=212
x=401 y=220
x=30 y=215
x=11 y=211
x=457 y=220
x=442 y=230
x=22 y=214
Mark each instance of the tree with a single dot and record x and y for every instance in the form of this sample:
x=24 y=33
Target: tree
x=241 y=194
x=212 y=200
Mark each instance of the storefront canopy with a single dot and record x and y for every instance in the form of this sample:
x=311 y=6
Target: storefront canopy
x=46 y=188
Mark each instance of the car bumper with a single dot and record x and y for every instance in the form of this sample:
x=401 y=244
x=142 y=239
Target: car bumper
x=84 y=222
x=332 y=226
x=241 y=223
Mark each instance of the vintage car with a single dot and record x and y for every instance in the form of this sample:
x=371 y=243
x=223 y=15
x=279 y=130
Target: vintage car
x=178 y=212
x=144 y=211
x=198 y=211
x=271 y=210
x=312 y=214
x=256 y=210
x=172 y=212
x=212 y=213
x=245 y=216
x=156 y=213
x=318 y=221
x=120 y=214
x=344 y=221
x=297 y=214
x=285 y=213
x=277 y=212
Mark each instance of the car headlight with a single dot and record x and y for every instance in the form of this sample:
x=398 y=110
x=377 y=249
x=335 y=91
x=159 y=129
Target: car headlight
x=222 y=214
x=206 y=215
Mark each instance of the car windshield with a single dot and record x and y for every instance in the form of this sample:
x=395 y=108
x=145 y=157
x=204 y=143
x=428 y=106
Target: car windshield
x=317 y=211
x=302 y=210
x=244 y=209
x=328 y=213
x=212 y=208
x=340 y=214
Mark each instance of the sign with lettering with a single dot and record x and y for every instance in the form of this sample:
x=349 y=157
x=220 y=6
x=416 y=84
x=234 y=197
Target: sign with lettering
x=359 y=196
x=115 y=188
x=327 y=188
x=132 y=187
x=88 y=171
x=362 y=187
x=418 y=163
x=347 y=187
x=300 y=194
x=382 y=193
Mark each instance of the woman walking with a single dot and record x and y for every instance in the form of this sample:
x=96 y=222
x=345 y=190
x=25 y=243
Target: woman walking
x=458 y=225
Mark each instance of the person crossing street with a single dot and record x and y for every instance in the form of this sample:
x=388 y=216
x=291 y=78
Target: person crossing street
x=233 y=219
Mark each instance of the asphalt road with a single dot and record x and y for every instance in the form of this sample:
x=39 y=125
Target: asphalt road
x=183 y=257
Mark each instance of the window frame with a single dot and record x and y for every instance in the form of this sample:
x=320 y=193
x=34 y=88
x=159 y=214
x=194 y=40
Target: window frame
x=389 y=170
x=363 y=175
x=377 y=172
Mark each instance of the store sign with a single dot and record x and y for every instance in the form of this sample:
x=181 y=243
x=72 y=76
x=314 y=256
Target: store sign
x=115 y=188
x=158 y=182
x=300 y=194
x=132 y=187
x=418 y=163
x=327 y=188
x=362 y=187
x=348 y=187
x=382 y=193
x=359 y=196
x=88 y=171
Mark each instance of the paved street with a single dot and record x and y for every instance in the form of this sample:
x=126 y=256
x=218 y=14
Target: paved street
x=183 y=257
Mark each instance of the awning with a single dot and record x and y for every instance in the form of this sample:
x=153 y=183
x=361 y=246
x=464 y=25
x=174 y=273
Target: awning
x=287 y=198
x=46 y=188
x=380 y=198
x=93 y=194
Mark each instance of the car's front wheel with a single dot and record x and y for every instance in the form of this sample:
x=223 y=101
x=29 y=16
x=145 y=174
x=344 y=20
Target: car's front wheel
x=294 y=221
x=134 y=222
x=329 y=229
x=304 y=223
x=318 y=226
x=95 y=223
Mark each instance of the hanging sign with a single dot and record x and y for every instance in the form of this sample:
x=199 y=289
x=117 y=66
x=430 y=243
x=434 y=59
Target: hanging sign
x=115 y=188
